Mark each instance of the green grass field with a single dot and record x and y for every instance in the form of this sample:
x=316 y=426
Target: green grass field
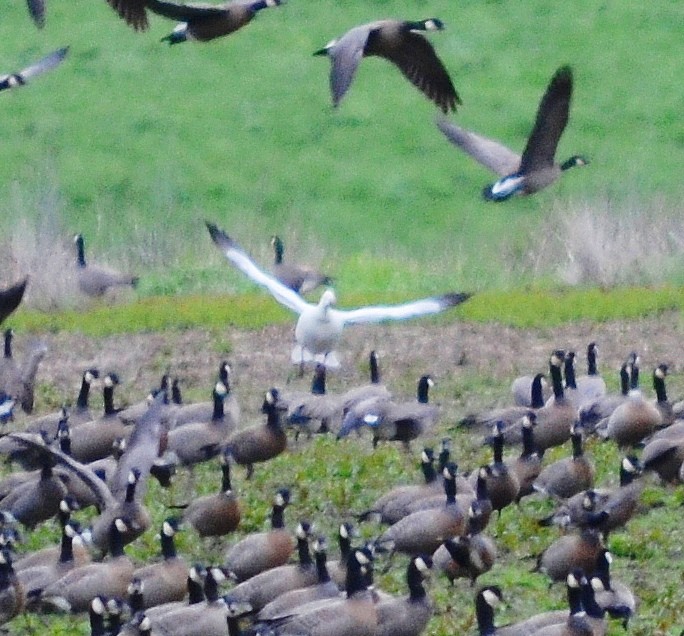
x=135 y=144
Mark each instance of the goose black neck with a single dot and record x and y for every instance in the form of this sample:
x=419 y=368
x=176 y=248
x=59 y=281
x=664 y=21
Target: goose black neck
x=574 y=599
x=591 y=360
x=223 y=373
x=537 y=395
x=46 y=471
x=355 y=581
x=603 y=570
x=498 y=446
x=176 y=396
x=374 y=370
x=423 y=389
x=66 y=551
x=634 y=378
x=322 y=567
x=65 y=445
x=303 y=551
x=444 y=456
x=114 y=624
x=97 y=624
x=225 y=479
x=273 y=416
x=318 y=383
x=344 y=543
x=136 y=601
x=624 y=380
x=481 y=491
x=659 y=388
x=108 y=398
x=529 y=448
x=589 y=604
x=279 y=250
x=278 y=517
x=168 y=546
x=234 y=621
x=80 y=252
x=83 y=394
x=116 y=544
x=195 y=592
x=450 y=489
x=557 y=381
x=428 y=468
x=414 y=579
x=130 y=492
x=211 y=588
x=218 y=406
x=8 y=343
x=458 y=550
x=485 y=616
x=626 y=476
x=569 y=368
x=577 y=449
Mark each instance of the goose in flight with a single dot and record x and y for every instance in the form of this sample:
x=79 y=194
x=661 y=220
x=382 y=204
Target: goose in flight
x=13 y=80
x=319 y=327
x=536 y=169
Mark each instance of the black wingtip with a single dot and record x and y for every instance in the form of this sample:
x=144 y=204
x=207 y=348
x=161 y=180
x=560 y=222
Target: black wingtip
x=456 y=298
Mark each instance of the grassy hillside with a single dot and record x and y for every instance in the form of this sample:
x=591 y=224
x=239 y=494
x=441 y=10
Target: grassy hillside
x=133 y=142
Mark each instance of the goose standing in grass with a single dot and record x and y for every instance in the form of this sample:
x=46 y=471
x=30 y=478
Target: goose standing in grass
x=297 y=277
x=20 y=78
x=97 y=280
x=11 y=297
x=400 y=42
x=600 y=409
x=319 y=327
x=203 y=22
x=536 y=168
x=19 y=381
x=592 y=386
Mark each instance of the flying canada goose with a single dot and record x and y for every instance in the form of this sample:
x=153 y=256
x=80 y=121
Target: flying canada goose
x=11 y=297
x=12 y=594
x=218 y=514
x=261 y=551
x=400 y=42
x=261 y=442
x=296 y=277
x=465 y=557
x=535 y=169
x=164 y=582
x=324 y=588
x=319 y=327
x=423 y=531
x=36 y=9
x=570 y=475
x=569 y=552
x=20 y=78
x=74 y=591
x=636 y=418
x=395 y=421
x=266 y=586
x=97 y=280
x=353 y=615
x=203 y=22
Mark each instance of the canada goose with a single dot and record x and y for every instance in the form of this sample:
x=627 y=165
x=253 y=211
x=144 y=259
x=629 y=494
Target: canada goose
x=75 y=589
x=324 y=588
x=262 y=442
x=591 y=387
x=374 y=390
x=297 y=278
x=528 y=465
x=423 y=531
x=535 y=169
x=337 y=568
x=592 y=413
x=569 y=552
x=613 y=596
x=94 y=440
x=203 y=22
x=353 y=615
x=19 y=381
x=195 y=589
x=408 y=616
x=595 y=614
x=486 y=600
x=20 y=78
x=132 y=12
x=261 y=551
x=133 y=413
x=164 y=582
x=37 y=577
x=97 y=612
x=137 y=517
x=11 y=297
x=570 y=475
x=266 y=586
x=662 y=403
x=465 y=557
x=37 y=499
x=502 y=483
x=218 y=514
x=319 y=327
x=395 y=421
x=399 y=42
x=664 y=453
x=78 y=414
x=304 y=410
x=12 y=594
x=636 y=418
x=393 y=505
x=522 y=389
x=96 y=280
x=180 y=413
x=509 y=415
x=200 y=441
